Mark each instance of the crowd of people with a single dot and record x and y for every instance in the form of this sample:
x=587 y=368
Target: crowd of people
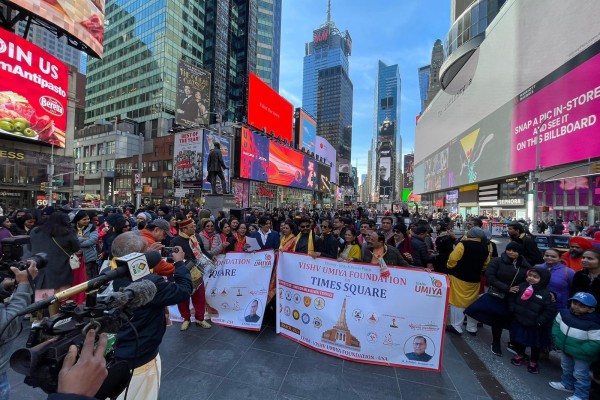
x=542 y=299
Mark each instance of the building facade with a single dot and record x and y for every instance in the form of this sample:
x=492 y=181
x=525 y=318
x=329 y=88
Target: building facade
x=58 y=47
x=269 y=42
x=423 y=84
x=437 y=58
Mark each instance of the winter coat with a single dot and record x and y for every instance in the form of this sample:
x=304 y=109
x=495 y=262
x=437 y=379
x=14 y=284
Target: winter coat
x=577 y=335
x=561 y=278
x=538 y=310
x=501 y=271
x=531 y=252
x=88 y=243
x=215 y=161
x=420 y=254
x=58 y=272
x=216 y=247
x=581 y=283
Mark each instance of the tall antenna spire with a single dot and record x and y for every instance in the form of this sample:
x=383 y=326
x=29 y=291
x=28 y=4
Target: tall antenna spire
x=328 y=12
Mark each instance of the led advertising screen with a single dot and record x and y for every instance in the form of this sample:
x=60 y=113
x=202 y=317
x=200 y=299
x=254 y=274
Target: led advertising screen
x=81 y=19
x=308 y=131
x=385 y=182
x=187 y=163
x=561 y=117
x=325 y=149
x=193 y=95
x=288 y=167
x=387 y=129
x=324 y=172
x=409 y=169
x=33 y=92
x=209 y=139
x=254 y=156
x=268 y=110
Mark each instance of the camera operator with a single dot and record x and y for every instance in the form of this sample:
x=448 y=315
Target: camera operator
x=21 y=298
x=140 y=349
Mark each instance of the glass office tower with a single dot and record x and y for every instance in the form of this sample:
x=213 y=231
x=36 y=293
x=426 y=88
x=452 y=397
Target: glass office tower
x=269 y=42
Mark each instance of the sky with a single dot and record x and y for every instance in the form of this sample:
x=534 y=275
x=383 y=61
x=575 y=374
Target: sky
x=394 y=31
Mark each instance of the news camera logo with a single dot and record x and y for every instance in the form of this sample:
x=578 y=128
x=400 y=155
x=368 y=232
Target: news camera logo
x=431 y=290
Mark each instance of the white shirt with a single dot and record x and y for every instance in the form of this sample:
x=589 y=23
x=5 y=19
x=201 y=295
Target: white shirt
x=264 y=235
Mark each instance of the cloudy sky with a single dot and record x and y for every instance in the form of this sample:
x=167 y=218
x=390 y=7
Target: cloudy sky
x=394 y=31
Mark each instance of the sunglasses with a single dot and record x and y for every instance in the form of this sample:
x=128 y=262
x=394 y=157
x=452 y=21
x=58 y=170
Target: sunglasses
x=304 y=226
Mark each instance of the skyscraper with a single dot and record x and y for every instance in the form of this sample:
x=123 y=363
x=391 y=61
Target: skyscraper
x=437 y=58
x=47 y=40
x=327 y=90
x=423 y=84
x=269 y=42
x=389 y=141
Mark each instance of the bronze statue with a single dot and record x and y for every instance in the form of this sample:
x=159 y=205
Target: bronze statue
x=215 y=167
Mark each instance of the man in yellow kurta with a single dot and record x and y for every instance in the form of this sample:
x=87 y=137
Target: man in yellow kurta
x=465 y=265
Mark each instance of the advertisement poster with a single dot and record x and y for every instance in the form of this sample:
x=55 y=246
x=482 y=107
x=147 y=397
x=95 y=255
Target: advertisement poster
x=33 y=92
x=409 y=169
x=347 y=310
x=324 y=172
x=327 y=151
x=240 y=189
x=387 y=129
x=385 y=182
x=193 y=95
x=267 y=110
x=254 y=156
x=187 y=152
x=237 y=288
x=82 y=19
x=210 y=138
x=559 y=116
x=499 y=229
x=288 y=167
x=308 y=132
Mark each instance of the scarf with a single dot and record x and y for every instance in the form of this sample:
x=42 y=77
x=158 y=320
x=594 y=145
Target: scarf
x=210 y=239
x=286 y=242
x=194 y=245
x=311 y=244
x=239 y=243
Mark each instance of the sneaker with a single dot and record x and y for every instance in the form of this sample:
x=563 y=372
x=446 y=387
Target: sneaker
x=559 y=386
x=203 y=324
x=496 y=349
x=185 y=325
x=451 y=329
x=517 y=361
x=533 y=368
x=511 y=348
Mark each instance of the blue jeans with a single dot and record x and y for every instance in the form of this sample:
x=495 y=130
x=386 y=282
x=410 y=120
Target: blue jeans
x=576 y=375
x=4 y=387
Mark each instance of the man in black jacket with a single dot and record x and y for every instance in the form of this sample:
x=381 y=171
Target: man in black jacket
x=516 y=233
x=140 y=349
x=421 y=256
x=215 y=166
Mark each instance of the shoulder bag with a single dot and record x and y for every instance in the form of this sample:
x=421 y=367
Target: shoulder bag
x=497 y=293
x=73 y=258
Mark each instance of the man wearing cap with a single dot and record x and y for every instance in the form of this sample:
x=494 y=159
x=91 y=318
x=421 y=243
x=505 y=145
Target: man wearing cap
x=576 y=332
x=155 y=232
x=577 y=246
x=192 y=248
x=141 y=220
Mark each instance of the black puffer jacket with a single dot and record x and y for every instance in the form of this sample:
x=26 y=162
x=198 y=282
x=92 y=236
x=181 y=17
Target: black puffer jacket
x=501 y=271
x=538 y=310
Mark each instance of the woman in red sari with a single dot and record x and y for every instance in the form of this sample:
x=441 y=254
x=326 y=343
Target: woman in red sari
x=288 y=237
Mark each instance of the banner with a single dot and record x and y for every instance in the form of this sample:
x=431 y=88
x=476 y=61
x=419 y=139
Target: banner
x=193 y=95
x=187 y=154
x=237 y=288
x=347 y=310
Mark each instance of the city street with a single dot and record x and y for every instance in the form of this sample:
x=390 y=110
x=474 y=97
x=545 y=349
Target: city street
x=223 y=363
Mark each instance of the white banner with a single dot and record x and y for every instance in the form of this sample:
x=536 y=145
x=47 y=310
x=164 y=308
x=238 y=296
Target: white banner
x=237 y=288
x=349 y=311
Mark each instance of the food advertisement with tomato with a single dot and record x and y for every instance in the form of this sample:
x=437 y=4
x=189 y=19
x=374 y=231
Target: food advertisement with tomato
x=82 y=19
x=33 y=92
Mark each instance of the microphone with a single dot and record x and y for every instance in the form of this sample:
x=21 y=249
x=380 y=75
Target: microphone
x=123 y=270
x=135 y=295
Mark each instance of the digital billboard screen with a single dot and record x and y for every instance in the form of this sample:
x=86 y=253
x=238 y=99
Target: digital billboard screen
x=254 y=156
x=308 y=131
x=193 y=95
x=268 y=110
x=409 y=169
x=288 y=167
x=324 y=184
x=387 y=129
x=33 y=92
x=81 y=19
x=385 y=182
x=325 y=150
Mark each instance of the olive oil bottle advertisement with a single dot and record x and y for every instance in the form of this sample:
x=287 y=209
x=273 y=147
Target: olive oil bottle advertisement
x=33 y=92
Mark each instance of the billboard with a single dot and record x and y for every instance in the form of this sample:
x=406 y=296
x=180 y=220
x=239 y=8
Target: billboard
x=33 y=92
x=307 y=135
x=409 y=167
x=557 y=113
x=325 y=150
x=193 y=95
x=210 y=138
x=387 y=129
x=268 y=110
x=288 y=167
x=81 y=19
x=323 y=178
x=187 y=163
x=386 y=187
x=254 y=156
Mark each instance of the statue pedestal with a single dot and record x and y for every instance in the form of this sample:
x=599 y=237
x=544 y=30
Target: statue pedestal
x=219 y=202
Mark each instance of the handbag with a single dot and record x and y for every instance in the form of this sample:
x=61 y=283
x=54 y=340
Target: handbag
x=497 y=293
x=73 y=258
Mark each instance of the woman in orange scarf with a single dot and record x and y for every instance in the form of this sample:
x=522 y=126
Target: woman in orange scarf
x=240 y=238
x=288 y=238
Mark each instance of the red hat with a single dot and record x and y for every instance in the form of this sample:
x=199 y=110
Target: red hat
x=185 y=222
x=584 y=243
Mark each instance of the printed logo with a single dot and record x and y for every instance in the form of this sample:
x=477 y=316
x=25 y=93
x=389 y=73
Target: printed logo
x=358 y=315
x=317 y=323
x=52 y=106
x=432 y=290
x=307 y=301
x=287 y=311
x=305 y=318
x=297 y=298
x=372 y=337
x=319 y=303
x=296 y=315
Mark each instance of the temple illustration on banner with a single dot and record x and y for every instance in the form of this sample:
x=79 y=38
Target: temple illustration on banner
x=340 y=335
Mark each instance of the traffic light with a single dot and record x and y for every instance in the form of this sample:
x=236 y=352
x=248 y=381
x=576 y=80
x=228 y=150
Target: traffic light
x=43 y=186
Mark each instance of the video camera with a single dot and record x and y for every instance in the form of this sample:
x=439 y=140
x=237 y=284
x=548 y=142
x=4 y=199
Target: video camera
x=49 y=340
